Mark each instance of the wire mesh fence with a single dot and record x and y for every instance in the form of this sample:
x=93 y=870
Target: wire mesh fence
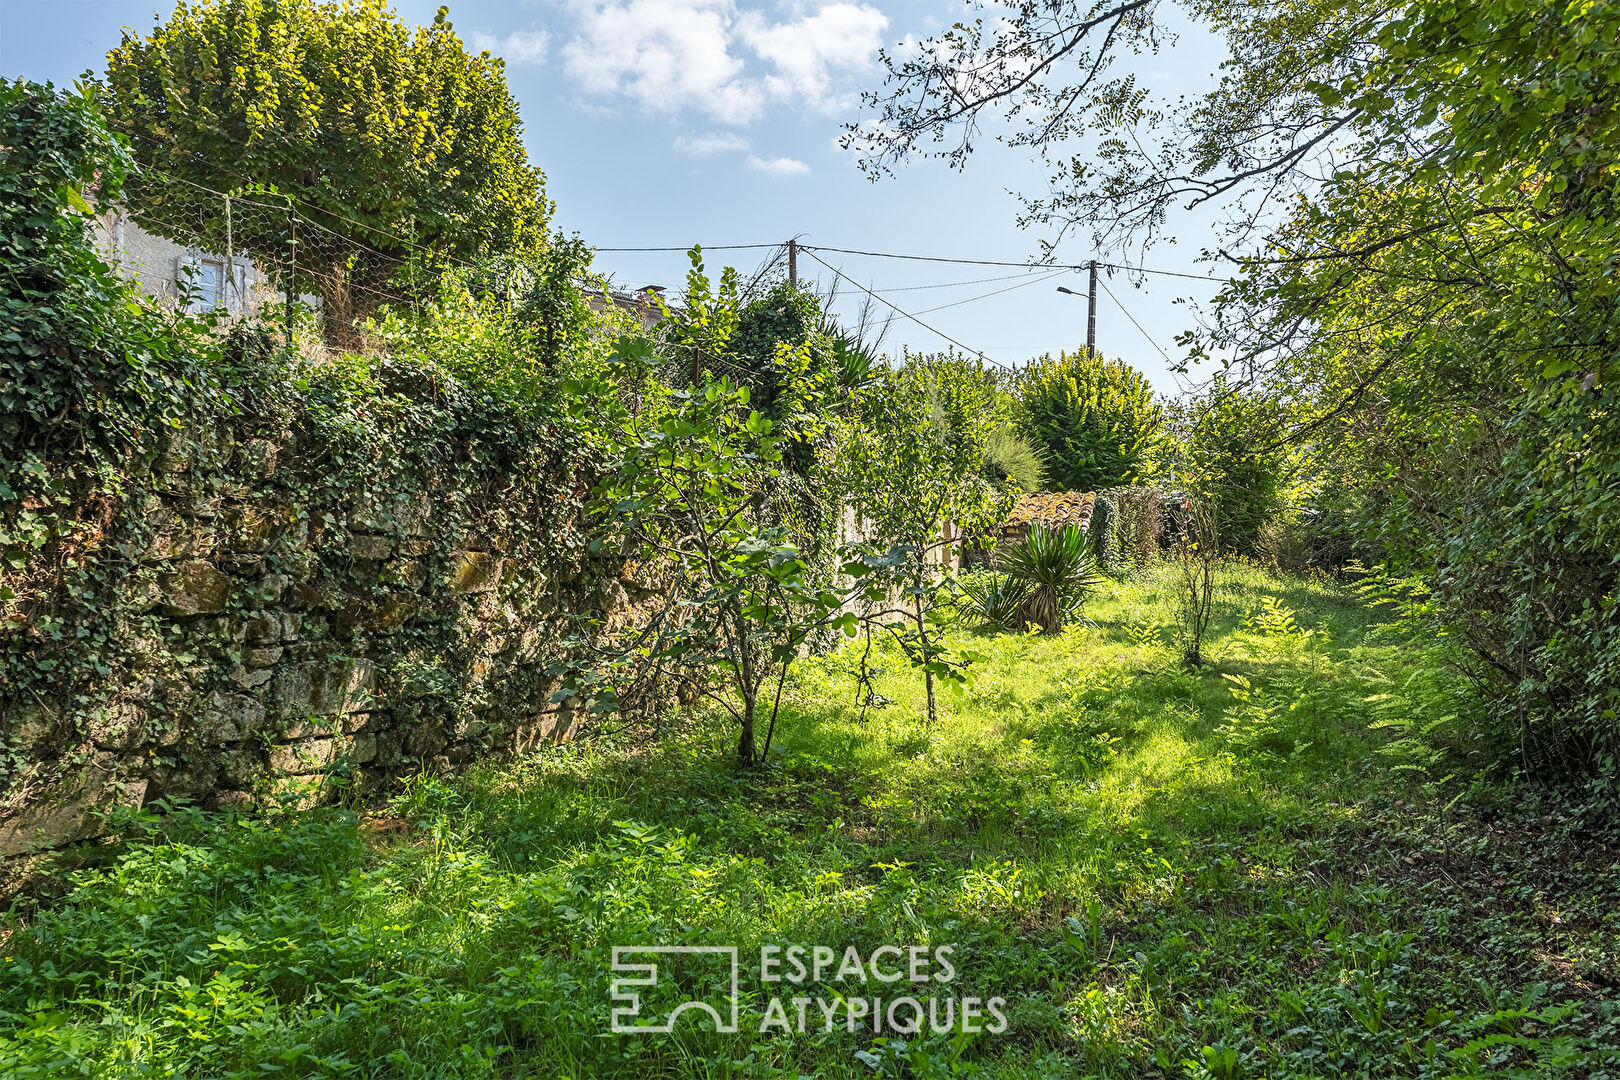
x=255 y=254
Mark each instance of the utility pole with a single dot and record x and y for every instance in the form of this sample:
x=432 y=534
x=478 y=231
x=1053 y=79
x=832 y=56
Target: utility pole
x=1091 y=313
x=1091 y=308
x=793 y=264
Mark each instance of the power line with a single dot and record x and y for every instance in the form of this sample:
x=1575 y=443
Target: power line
x=902 y=313
x=689 y=247
x=955 y=284
x=1170 y=365
x=997 y=262
x=998 y=292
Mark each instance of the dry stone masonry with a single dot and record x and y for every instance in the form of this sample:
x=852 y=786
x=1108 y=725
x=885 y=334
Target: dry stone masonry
x=279 y=607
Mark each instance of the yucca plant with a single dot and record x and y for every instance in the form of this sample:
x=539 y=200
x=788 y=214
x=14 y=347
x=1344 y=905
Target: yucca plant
x=1057 y=566
x=993 y=600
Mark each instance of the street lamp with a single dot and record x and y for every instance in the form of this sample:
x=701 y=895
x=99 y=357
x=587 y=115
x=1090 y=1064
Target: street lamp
x=1091 y=308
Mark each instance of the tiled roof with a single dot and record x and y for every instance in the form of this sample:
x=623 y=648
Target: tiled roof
x=1054 y=509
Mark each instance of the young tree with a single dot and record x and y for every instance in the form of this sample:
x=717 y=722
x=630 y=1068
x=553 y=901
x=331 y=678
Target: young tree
x=690 y=491
x=1232 y=453
x=910 y=467
x=389 y=140
x=1094 y=421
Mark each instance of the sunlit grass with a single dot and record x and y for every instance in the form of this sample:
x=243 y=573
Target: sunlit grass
x=1142 y=864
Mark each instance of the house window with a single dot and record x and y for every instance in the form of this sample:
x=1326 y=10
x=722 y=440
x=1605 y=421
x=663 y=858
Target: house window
x=205 y=279
x=210 y=284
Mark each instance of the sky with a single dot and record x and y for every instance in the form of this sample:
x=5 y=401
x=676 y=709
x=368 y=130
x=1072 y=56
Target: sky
x=667 y=123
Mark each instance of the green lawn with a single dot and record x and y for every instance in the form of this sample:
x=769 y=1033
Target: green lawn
x=1159 y=877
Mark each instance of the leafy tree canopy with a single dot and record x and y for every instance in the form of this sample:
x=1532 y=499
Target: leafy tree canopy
x=1094 y=421
x=1421 y=204
x=391 y=139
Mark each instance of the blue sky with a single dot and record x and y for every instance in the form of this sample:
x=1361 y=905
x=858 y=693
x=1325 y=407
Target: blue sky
x=663 y=123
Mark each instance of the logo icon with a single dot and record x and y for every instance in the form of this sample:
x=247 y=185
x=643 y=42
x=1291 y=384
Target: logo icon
x=632 y=975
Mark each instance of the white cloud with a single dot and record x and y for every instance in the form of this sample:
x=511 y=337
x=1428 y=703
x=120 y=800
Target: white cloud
x=779 y=167
x=519 y=47
x=715 y=142
x=807 y=53
x=706 y=56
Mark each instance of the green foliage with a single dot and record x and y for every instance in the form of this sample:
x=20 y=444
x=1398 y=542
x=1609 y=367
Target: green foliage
x=1104 y=538
x=393 y=140
x=519 y=327
x=785 y=315
x=993 y=601
x=1011 y=463
x=1439 y=297
x=1080 y=833
x=696 y=336
x=1233 y=453
x=683 y=488
x=1058 y=567
x=1093 y=421
x=909 y=466
x=114 y=411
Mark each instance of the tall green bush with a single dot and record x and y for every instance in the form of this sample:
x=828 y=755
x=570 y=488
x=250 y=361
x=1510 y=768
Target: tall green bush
x=1094 y=421
x=1011 y=462
x=1232 y=451
x=1104 y=539
x=394 y=140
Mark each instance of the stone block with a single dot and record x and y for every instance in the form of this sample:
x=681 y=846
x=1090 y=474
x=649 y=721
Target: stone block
x=121 y=726
x=252 y=529
x=272 y=587
x=192 y=778
x=258 y=457
x=263 y=657
x=262 y=630
x=309 y=596
x=197 y=588
x=317 y=688
x=362 y=546
x=396 y=611
x=29 y=730
x=390 y=747
x=304 y=756
x=231 y=718
x=249 y=678
x=241 y=766
x=296 y=792
x=180 y=538
x=68 y=812
x=474 y=572
x=425 y=739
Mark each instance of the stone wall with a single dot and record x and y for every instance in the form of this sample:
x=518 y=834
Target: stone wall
x=287 y=602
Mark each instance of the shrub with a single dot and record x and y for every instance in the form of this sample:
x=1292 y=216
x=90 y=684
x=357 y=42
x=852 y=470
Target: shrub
x=1139 y=525
x=1232 y=456
x=1094 y=421
x=993 y=601
x=1057 y=566
x=1104 y=542
x=1011 y=462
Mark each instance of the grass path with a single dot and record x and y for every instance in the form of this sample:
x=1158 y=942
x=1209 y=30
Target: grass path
x=1161 y=873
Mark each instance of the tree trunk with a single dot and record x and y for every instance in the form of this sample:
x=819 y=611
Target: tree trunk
x=928 y=676
x=745 y=741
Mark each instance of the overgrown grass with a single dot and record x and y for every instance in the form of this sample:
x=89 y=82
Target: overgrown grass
x=1164 y=873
